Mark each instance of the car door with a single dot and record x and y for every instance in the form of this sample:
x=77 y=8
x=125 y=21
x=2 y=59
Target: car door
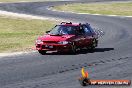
x=83 y=36
x=88 y=35
x=79 y=37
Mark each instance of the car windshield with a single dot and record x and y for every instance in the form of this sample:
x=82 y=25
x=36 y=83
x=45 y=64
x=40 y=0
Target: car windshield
x=63 y=30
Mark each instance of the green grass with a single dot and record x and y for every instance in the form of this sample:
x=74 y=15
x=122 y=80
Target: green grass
x=123 y=9
x=20 y=34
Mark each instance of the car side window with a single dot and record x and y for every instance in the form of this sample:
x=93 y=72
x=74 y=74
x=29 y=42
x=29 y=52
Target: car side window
x=82 y=30
x=87 y=30
x=79 y=30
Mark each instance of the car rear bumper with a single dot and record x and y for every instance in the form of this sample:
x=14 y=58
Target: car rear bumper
x=55 y=47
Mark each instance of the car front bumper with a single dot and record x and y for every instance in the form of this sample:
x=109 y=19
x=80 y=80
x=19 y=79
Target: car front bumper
x=54 y=47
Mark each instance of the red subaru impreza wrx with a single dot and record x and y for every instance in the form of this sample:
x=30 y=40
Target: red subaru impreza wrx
x=67 y=37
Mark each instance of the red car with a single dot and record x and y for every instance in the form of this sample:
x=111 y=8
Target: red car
x=67 y=37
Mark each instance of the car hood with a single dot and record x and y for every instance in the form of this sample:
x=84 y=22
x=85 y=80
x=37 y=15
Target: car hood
x=55 y=37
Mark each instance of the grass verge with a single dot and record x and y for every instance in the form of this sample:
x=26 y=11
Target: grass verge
x=17 y=34
x=123 y=9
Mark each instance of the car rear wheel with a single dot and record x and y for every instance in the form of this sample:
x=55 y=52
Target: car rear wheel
x=42 y=52
x=93 y=45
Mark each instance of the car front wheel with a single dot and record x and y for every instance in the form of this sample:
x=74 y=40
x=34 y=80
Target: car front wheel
x=73 y=49
x=42 y=52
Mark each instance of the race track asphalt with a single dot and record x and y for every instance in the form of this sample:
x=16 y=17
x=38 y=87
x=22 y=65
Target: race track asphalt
x=111 y=60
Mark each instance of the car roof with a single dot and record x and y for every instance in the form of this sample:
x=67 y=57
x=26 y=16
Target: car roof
x=73 y=24
x=70 y=24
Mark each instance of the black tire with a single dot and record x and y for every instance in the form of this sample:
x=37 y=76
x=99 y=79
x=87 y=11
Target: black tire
x=93 y=45
x=73 y=49
x=42 y=52
x=85 y=82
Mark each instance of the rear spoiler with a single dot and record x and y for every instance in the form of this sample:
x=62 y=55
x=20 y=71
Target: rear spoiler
x=99 y=32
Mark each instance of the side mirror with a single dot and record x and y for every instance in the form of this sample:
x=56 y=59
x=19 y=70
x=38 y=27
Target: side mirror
x=47 y=31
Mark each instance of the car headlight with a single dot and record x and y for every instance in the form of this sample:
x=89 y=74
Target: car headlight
x=39 y=41
x=63 y=42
